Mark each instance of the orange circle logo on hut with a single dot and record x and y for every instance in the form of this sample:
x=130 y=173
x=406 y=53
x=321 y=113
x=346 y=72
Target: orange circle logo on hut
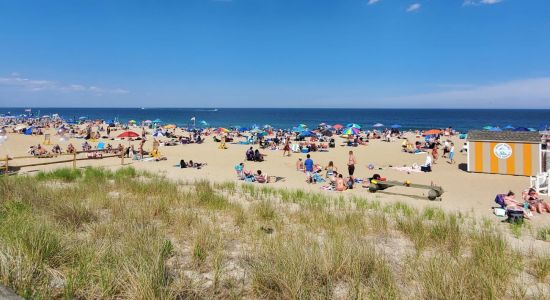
x=502 y=151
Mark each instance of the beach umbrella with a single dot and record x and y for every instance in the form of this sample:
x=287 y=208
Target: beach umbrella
x=353 y=125
x=222 y=129
x=351 y=131
x=323 y=124
x=432 y=132
x=203 y=122
x=378 y=125
x=532 y=129
x=521 y=129
x=147 y=121
x=128 y=134
x=255 y=130
x=307 y=133
x=158 y=133
x=337 y=126
x=157 y=121
x=298 y=129
x=509 y=127
x=83 y=118
x=268 y=126
x=396 y=126
x=302 y=125
x=170 y=126
x=495 y=129
x=488 y=127
x=132 y=121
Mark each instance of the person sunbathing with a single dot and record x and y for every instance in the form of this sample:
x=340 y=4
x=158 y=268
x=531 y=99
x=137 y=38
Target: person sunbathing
x=340 y=183
x=330 y=168
x=192 y=164
x=261 y=178
x=56 y=149
x=535 y=203
x=71 y=149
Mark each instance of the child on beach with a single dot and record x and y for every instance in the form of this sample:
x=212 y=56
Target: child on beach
x=300 y=165
x=452 y=153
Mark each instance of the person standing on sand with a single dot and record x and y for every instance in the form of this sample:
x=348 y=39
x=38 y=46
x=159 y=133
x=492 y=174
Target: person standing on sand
x=452 y=153
x=351 y=164
x=309 y=168
x=434 y=154
x=286 y=149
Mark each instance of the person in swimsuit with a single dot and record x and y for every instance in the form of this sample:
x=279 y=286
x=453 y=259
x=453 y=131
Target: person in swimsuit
x=286 y=149
x=351 y=164
x=340 y=183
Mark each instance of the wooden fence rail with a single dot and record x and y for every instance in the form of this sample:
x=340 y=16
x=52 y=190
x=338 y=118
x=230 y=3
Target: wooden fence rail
x=74 y=159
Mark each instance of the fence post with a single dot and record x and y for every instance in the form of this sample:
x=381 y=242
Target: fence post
x=6 y=166
x=74 y=160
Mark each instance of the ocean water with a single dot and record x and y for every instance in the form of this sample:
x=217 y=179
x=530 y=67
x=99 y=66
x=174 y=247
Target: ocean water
x=461 y=119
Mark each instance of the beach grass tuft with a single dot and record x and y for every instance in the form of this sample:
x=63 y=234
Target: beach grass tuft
x=95 y=233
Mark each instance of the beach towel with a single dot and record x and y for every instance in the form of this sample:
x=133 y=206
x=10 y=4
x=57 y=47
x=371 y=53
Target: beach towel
x=407 y=169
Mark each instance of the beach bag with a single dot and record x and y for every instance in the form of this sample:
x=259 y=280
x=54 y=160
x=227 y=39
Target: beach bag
x=515 y=216
x=499 y=199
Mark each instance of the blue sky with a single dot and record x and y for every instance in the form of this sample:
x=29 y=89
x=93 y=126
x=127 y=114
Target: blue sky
x=275 y=53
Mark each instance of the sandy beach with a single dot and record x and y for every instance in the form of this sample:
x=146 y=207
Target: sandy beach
x=470 y=193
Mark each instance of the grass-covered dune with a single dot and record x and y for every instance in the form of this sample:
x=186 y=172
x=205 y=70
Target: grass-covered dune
x=99 y=234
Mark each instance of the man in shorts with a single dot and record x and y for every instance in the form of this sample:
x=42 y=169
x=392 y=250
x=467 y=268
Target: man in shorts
x=351 y=164
x=308 y=163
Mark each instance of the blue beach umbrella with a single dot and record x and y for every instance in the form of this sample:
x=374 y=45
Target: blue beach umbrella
x=298 y=129
x=353 y=125
x=396 y=126
x=521 y=129
x=307 y=133
x=378 y=125
x=203 y=122
x=157 y=121
x=495 y=129
x=509 y=127
x=532 y=129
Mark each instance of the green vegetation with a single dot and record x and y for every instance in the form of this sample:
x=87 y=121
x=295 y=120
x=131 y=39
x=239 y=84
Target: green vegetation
x=99 y=234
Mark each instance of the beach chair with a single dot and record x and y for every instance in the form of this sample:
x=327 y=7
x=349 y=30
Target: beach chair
x=540 y=183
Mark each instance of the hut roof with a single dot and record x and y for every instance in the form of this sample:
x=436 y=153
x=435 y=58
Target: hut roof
x=504 y=136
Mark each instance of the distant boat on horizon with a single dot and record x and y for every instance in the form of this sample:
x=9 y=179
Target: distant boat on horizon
x=213 y=110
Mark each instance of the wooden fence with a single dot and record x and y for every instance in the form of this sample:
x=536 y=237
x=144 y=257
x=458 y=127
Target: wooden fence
x=74 y=159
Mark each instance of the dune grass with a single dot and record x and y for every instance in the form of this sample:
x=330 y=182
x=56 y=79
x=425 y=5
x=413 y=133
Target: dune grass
x=99 y=234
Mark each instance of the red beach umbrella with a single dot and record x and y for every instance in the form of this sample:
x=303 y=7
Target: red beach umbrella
x=338 y=126
x=432 y=132
x=128 y=134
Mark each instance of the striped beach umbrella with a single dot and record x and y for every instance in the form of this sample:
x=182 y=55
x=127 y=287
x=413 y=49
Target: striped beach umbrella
x=351 y=131
x=222 y=129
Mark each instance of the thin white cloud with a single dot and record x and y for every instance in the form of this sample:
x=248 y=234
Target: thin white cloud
x=480 y=2
x=525 y=93
x=414 y=7
x=371 y=2
x=36 y=85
